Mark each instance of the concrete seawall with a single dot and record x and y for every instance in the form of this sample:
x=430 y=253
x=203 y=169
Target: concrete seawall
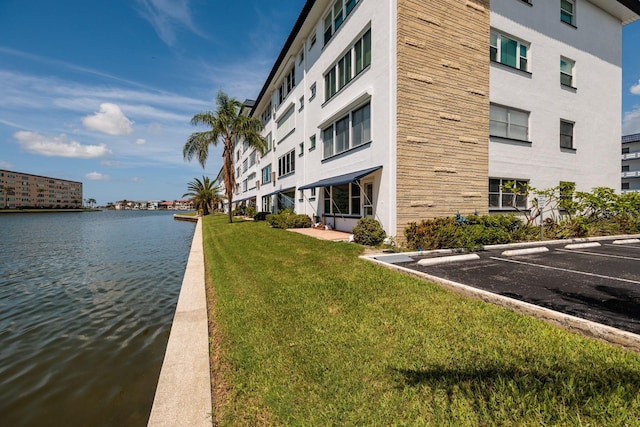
x=183 y=396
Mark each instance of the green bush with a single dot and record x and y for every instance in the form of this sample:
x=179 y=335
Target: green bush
x=369 y=232
x=261 y=216
x=250 y=211
x=288 y=219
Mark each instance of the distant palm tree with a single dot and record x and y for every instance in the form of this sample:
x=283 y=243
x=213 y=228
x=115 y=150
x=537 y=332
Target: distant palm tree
x=203 y=194
x=91 y=202
x=6 y=190
x=228 y=125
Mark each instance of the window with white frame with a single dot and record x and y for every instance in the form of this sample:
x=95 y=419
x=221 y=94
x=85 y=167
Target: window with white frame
x=567 y=12
x=252 y=180
x=266 y=203
x=343 y=71
x=312 y=92
x=509 y=51
x=245 y=165
x=312 y=143
x=566 y=134
x=368 y=200
x=266 y=174
x=566 y=72
x=501 y=199
x=336 y=16
x=269 y=143
x=266 y=114
x=342 y=199
x=244 y=185
x=507 y=122
x=288 y=83
x=252 y=158
x=287 y=163
x=350 y=131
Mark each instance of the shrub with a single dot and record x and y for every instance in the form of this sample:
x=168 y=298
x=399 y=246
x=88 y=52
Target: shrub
x=250 y=211
x=261 y=216
x=288 y=219
x=369 y=232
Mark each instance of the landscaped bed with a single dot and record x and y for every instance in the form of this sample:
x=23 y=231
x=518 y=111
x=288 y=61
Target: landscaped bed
x=303 y=332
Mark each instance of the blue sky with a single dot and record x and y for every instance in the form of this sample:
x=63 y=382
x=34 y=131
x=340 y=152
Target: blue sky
x=102 y=91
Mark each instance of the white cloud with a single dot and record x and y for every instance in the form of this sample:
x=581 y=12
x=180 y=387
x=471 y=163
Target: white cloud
x=631 y=121
x=58 y=146
x=635 y=89
x=97 y=176
x=140 y=141
x=110 y=120
x=167 y=16
x=5 y=165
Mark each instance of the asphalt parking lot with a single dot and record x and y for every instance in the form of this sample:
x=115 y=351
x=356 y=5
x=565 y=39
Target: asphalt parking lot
x=598 y=280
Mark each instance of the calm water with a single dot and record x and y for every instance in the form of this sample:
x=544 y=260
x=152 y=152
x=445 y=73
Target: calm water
x=86 y=304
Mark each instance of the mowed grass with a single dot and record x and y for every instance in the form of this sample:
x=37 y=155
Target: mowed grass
x=303 y=332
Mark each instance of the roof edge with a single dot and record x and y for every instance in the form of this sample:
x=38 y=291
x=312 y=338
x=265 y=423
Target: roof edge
x=283 y=53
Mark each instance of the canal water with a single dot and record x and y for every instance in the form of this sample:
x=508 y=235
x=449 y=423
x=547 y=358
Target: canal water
x=86 y=304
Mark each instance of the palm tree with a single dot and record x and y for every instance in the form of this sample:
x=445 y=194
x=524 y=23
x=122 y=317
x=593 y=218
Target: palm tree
x=228 y=125
x=6 y=190
x=91 y=201
x=203 y=194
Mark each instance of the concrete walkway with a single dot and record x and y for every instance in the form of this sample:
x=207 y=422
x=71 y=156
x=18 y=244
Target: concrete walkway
x=183 y=396
x=333 y=235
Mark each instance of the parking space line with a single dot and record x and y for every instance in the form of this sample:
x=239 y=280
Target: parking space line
x=548 y=267
x=598 y=254
x=626 y=246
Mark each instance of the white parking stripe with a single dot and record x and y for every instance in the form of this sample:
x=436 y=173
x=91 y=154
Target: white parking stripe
x=624 y=246
x=598 y=254
x=548 y=267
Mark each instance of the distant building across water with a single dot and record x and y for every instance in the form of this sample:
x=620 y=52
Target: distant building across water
x=22 y=190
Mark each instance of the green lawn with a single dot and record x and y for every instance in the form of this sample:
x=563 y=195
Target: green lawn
x=303 y=332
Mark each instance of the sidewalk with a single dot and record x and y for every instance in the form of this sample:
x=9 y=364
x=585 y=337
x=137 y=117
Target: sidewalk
x=333 y=235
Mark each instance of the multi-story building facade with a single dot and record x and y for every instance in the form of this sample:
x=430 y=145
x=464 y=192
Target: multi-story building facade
x=631 y=163
x=405 y=110
x=22 y=190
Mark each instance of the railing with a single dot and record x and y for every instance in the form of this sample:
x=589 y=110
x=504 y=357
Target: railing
x=630 y=174
x=631 y=156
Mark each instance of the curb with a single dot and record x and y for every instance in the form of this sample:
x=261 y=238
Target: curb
x=448 y=259
x=183 y=395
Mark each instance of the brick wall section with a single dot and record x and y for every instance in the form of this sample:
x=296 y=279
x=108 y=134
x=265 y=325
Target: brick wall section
x=443 y=109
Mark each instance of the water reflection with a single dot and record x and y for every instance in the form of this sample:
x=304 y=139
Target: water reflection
x=86 y=303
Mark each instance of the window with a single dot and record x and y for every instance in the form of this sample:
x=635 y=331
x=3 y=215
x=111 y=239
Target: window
x=252 y=158
x=506 y=122
x=266 y=114
x=312 y=91
x=313 y=41
x=312 y=143
x=288 y=83
x=566 y=72
x=508 y=51
x=499 y=199
x=625 y=168
x=237 y=172
x=245 y=165
x=301 y=149
x=349 y=131
x=269 y=143
x=567 y=13
x=336 y=16
x=301 y=57
x=343 y=71
x=252 y=181
x=313 y=193
x=625 y=185
x=287 y=163
x=244 y=185
x=266 y=174
x=266 y=203
x=625 y=150
x=368 y=200
x=566 y=134
x=301 y=103
x=342 y=199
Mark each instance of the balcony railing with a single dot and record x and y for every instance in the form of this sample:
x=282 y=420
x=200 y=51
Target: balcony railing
x=631 y=156
x=630 y=174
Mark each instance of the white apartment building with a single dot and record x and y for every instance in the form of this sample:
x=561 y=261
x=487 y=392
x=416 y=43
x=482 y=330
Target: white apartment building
x=405 y=110
x=631 y=163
